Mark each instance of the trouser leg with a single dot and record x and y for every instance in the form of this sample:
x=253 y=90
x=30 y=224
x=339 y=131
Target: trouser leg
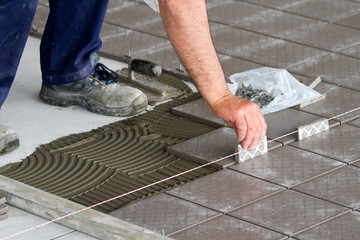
x=71 y=35
x=15 y=21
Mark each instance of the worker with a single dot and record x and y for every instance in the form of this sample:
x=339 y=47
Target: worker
x=70 y=70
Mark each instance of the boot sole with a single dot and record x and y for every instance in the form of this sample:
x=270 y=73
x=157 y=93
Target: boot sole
x=137 y=106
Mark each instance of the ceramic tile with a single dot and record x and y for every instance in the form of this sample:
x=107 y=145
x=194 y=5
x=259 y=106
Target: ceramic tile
x=117 y=41
x=353 y=51
x=338 y=100
x=353 y=21
x=233 y=41
x=341 y=143
x=343 y=227
x=278 y=4
x=225 y=190
x=290 y=120
x=356 y=164
x=341 y=186
x=208 y=147
x=164 y=213
x=199 y=111
x=355 y=123
x=326 y=36
x=136 y=16
x=333 y=68
x=232 y=65
x=238 y=13
x=324 y=9
x=355 y=85
x=288 y=211
x=75 y=236
x=229 y=228
x=287 y=166
x=321 y=87
x=281 y=54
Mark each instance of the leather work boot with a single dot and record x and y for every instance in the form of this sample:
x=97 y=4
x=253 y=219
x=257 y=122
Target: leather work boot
x=8 y=140
x=99 y=92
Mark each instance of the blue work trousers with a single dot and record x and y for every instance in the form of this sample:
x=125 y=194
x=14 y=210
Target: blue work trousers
x=70 y=37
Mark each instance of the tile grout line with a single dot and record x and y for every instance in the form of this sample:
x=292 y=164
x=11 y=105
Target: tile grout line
x=321 y=222
x=195 y=224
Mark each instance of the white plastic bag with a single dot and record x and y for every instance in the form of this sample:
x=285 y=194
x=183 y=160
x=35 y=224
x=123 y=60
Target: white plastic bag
x=286 y=90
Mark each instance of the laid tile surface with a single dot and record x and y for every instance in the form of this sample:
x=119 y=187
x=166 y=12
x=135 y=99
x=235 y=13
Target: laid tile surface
x=279 y=4
x=137 y=16
x=353 y=51
x=338 y=100
x=341 y=186
x=233 y=41
x=278 y=23
x=352 y=21
x=355 y=85
x=238 y=13
x=341 y=143
x=117 y=41
x=225 y=190
x=75 y=236
x=333 y=68
x=39 y=22
x=326 y=36
x=343 y=227
x=355 y=123
x=199 y=111
x=288 y=211
x=164 y=213
x=231 y=65
x=281 y=54
x=324 y=9
x=208 y=147
x=287 y=166
x=229 y=228
x=290 y=120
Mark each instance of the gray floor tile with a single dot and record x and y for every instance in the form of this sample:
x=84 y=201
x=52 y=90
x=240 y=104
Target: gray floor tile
x=333 y=68
x=288 y=211
x=290 y=120
x=231 y=65
x=208 y=147
x=327 y=36
x=281 y=54
x=341 y=143
x=338 y=100
x=229 y=228
x=343 y=227
x=321 y=87
x=237 y=13
x=355 y=85
x=352 y=21
x=324 y=9
x=225 y=190
x=353 y=51
x=341 y=186
x=39 y=22
x=164 y=212
x=278 y=4
x=355 y=123
x=287 y=166
x=233 y=41
x=199 y=111
x=135 y=16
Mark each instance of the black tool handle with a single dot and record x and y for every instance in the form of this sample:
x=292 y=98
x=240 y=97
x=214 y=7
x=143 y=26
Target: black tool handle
x=145 y=67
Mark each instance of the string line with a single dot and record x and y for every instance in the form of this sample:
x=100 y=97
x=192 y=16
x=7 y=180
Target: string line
x=160 y=181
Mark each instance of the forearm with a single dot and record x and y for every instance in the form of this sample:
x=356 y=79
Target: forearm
x=187 y=26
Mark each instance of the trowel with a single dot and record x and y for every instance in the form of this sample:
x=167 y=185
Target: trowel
x=144 y=75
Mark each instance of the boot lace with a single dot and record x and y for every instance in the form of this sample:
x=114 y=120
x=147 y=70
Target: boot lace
x=104 y=74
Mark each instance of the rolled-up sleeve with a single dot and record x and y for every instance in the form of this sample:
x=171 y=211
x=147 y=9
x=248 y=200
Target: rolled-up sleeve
x=154 y=4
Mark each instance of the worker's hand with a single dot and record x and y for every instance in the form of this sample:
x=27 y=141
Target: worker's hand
x=242 y=115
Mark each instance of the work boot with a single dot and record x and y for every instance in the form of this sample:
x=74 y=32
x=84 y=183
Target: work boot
x=8 y=140
x=99 y=92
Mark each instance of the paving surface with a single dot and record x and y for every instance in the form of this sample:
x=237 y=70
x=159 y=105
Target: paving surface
x=304 y=190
